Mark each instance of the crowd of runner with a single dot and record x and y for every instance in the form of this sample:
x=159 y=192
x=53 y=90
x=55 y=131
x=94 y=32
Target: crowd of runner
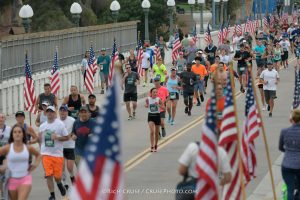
x=63 y=130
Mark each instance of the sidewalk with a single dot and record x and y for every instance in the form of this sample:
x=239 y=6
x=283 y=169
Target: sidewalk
x=264 y=190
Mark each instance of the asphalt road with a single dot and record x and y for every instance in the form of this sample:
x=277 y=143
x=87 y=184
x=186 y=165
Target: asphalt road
x=155 y=175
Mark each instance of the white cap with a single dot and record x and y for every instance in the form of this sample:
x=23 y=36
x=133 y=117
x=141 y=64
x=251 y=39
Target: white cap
x=50 y=108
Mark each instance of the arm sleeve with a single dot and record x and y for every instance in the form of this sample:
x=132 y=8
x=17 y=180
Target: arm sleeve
x=281 y=145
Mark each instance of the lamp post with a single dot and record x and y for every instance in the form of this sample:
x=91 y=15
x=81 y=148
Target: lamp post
x=225 y=9
x=171 y=5
x=76 y=10
x=192 y=4
x=146 y=5
x=26 y=13
x=115 y=7
x=201 y=4
x=217 y=19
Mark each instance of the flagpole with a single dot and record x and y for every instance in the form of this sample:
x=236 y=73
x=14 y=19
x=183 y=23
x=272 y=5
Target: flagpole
x=264 y=136
x=241 y=170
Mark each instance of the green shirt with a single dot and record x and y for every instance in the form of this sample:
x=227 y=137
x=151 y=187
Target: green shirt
x=160 y=71
x=104 y=61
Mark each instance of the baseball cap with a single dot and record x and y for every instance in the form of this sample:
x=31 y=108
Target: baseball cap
x=83 y=108
x=50 y=108
x=269 y=63
x=20 y=113
x=92 y=96
x=173 y=69
x=45 y=103
x=200 y=51
x=156 y=78
x=180 y=53
x=63 y=107
x=103 y=49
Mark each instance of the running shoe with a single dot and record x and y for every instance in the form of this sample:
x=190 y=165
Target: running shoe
x=163 y=132
x=270 y=114
x=169 y=119
x=155 y=148
x=133 y=115
x=172 y=122
x=51 y=198
x=263 y=108
x=67 y=187
x=186 y=110
x=189 y=113
x=102 y=91
x=268 y=107
x=129 y=118
x=202 y=98
x=198 y=104
x=151 y=149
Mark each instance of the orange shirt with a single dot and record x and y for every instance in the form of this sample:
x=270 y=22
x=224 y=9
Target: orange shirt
x=213 y=67
x=162 y=93
x=220 y=108
x=199 y=70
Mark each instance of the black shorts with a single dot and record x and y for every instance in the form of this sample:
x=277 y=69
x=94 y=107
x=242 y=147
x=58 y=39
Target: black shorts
x=260 y=63
x=176 y=96
x=154 y=117
x=269 y=94
x=162 y=114
x=260 y=85
x=285 y=56
x=241 y=69
x=188 y=95
x=130 y=97
x=2 y=158
x=69 y=154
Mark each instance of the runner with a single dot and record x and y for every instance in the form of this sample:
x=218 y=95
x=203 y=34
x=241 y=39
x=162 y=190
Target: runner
x=84 y=64
x=145 y=67
x=297 y=51
x=242 y=57
x=210 y=52
x=103 y=62
x=74 y=101
x=224 y=57
x=47 y=96
x=187 y=80
x=181 y=63
x=81 y=130
x=132 y=61
x=163 y=94
x=237 y=41
x=17 y=153
x=172 y=84
x=52 y=134
x=191 y=51
x=289 y=32
x=41 y=117
x=154 y=104
x=130 y=81
x=277 y=56
x=286 y=46
x=200 y=72
x=270 y=78
x=68 y=145
x=160 y=70
x=92 y=107
x=31 y=136
x=4 y=136
x=162 y=45
x=214 y=66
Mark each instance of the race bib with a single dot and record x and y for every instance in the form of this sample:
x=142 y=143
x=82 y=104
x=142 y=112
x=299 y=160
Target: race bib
x=172 y=95
x=48 y=141
x=153 y=108
x=219 y=116
x=242 y=68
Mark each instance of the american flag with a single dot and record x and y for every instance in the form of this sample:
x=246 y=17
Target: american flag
x=220 y=35
x=250 y=132
x=89 y=78
x=239 y=29
x=256 y=23
x=157 y=49
x=55 y=80
x=266 y=21
x=114 y=58
x=207 y=37
x=229 y=140
x=140 y=56
x=226 y=31
x=296 y=99
x=29 y=93
x=100 y=173
x=250 y=26
x=194 y=38
x=176 y=47
x=285 y=18
x=295 y=17
x=272 y=21
x=207 y=158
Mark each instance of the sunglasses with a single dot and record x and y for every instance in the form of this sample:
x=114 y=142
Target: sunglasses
x=127 y=68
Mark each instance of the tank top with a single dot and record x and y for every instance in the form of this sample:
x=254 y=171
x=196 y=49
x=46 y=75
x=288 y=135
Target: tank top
x=153 y=105
x=132 y=63
x=94 y=113
x=44 y=98
x=170 y=83
x=28 y=136
x=76 y=104
x=18 y=162
x=277 y=54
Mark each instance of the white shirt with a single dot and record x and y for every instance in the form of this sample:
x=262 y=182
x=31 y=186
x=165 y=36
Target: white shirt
x=4 y=135
x=237 y=42
x=189 y=156
x=84 y=63
x=52 y=147
x=145 y=62
x=225 y=59
x=271 y=78
x=68 y=122
x=285 y=45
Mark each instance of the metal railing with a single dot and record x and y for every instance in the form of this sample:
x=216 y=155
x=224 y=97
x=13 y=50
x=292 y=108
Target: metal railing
x=72 y=44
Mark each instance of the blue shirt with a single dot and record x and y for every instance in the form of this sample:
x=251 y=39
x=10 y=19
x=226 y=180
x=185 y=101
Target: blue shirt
x=289 y=143
x=105 y=61
x=151 y=53
x=295 y=32
x=82 y=130
x=260 y=50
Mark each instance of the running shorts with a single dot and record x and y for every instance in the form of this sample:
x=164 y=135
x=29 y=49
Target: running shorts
x=154 y=117
x=53 y=166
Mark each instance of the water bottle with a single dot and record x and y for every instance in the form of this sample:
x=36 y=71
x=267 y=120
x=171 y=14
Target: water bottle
x=284 y=192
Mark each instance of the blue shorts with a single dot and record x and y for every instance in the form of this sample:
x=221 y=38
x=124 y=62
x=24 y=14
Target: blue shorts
x=199 y=86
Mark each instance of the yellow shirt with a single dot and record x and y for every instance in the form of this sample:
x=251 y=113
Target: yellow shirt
x=160 y=71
